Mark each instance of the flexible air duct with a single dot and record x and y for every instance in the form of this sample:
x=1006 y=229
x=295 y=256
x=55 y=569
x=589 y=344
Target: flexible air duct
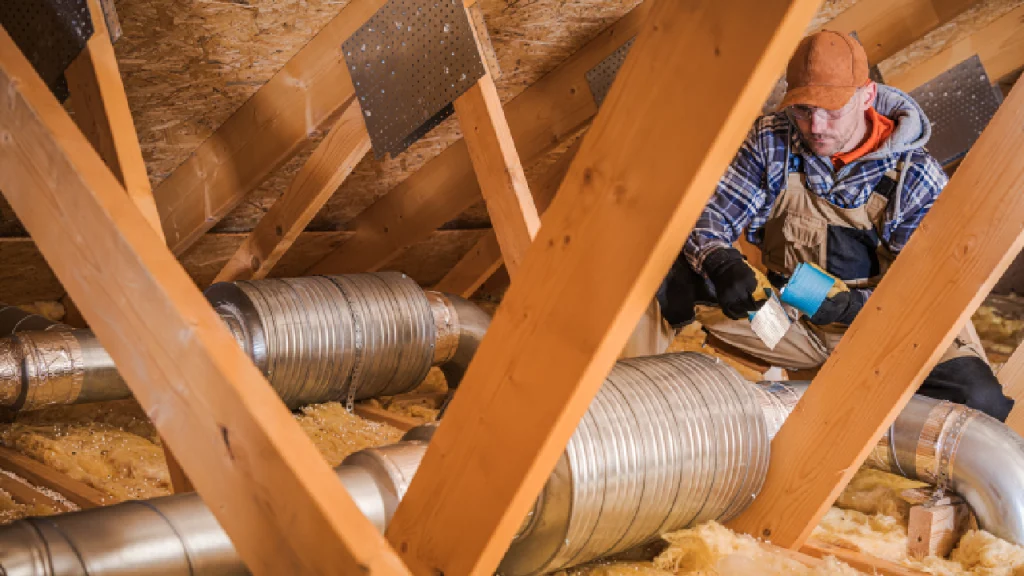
x=316 y=339
x=953 y=447
x=669 y=441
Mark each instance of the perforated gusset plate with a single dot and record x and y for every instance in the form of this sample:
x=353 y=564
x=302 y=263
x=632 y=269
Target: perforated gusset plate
x=408 y=63
x=959 y=103
x=51 y=34
x=600 y=77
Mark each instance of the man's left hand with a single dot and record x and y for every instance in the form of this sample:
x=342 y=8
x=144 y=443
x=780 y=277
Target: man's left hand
x=840 y=306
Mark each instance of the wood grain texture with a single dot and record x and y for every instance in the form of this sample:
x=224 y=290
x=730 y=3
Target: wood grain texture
x=264 y=480
x=102 y=113
x=950 y=264
x=484 y=259
x=558 y=331
x=1011 y=376
x=885 y=26
x=24 y=493
x=82 y=494
x=499 y=171
x=302 y=98
x=1000 y=45
x=540 y=118
x=863 y=562
x=326 y=169
x=381 y=415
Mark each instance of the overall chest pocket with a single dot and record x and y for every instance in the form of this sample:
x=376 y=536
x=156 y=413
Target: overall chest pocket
x=790 y=239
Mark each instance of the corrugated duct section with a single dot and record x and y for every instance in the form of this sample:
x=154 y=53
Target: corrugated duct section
x=316 y=339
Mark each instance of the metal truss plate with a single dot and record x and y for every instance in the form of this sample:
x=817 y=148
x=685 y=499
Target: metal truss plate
x=959 y=103
x=600 y=77
x=51 y=34
x=408 y=63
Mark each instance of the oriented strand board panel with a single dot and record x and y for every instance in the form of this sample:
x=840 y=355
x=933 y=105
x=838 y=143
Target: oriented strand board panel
x=25 y=276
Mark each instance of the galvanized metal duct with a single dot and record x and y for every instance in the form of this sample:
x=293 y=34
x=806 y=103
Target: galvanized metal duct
x=953 y=447
x=669 y=441
x=316 y=339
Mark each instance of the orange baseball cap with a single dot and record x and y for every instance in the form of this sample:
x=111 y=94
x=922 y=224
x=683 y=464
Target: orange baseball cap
x=825 y=71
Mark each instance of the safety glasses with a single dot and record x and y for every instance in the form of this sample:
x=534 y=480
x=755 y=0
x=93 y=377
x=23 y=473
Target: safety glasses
x=802 y=112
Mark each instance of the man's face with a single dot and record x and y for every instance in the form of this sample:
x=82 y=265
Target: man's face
x=828 y=132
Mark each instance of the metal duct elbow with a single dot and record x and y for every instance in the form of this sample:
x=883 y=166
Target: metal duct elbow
x=953 y=447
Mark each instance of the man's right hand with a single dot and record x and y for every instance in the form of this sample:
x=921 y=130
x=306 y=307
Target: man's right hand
x=739 y=286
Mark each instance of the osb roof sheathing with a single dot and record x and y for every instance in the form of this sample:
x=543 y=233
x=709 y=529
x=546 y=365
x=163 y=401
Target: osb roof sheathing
x=189 y=64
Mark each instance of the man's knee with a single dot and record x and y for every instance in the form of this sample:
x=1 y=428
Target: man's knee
x=968 y=380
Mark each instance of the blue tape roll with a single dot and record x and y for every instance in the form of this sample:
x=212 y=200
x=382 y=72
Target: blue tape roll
x=807 y=289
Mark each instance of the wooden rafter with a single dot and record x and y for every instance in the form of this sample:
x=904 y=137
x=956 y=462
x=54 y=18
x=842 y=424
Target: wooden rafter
x=540 y=118
x=885 y=26
x=306 y=96
x=83 y=495
x=1011 y=375
x=282 y=506
x=498 y=170
x=328 y=166
x=484 y=259
x=443 y=188
x=950 y=264
x=102 y=114
x=558 y=332
x=1000 y=45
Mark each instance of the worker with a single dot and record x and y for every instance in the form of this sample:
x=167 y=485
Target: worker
x=838 y=178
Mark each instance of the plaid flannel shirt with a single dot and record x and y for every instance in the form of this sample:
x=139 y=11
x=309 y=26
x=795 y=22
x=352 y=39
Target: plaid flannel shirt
x=746 y=193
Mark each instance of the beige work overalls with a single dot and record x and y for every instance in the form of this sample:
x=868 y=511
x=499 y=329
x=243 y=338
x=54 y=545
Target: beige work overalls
x=798 y=230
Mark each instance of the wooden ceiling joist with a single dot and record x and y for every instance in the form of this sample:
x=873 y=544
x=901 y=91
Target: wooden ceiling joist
x=332 y=161
x=306 y=96
x=443 y=188
x=484 y=259
x=540 y=118
x=964 y=244
x=277 y=499
x=548 y=349
x=1011 y=376
x=1000 y=45
x=498 y=169
x=885 y=26
x=102 y=114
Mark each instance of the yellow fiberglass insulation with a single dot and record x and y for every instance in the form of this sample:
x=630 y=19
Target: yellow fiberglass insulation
x=114 y=448
x=713 y=550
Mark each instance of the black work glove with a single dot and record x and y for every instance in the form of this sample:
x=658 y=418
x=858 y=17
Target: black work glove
x=736 y=283
x=968 y=380
x=841 y=307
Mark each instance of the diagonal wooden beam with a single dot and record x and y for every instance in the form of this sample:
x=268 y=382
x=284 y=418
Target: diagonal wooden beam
x=540 y=118
x=1000 y=45
x=270 y=489
x=558 y=332
x=951 y=263
x=886 y=26
x=328 y=166
x=498 y=170
x=484 y=259
x=304 y=97
x=102 y=114
x=1011 y=375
